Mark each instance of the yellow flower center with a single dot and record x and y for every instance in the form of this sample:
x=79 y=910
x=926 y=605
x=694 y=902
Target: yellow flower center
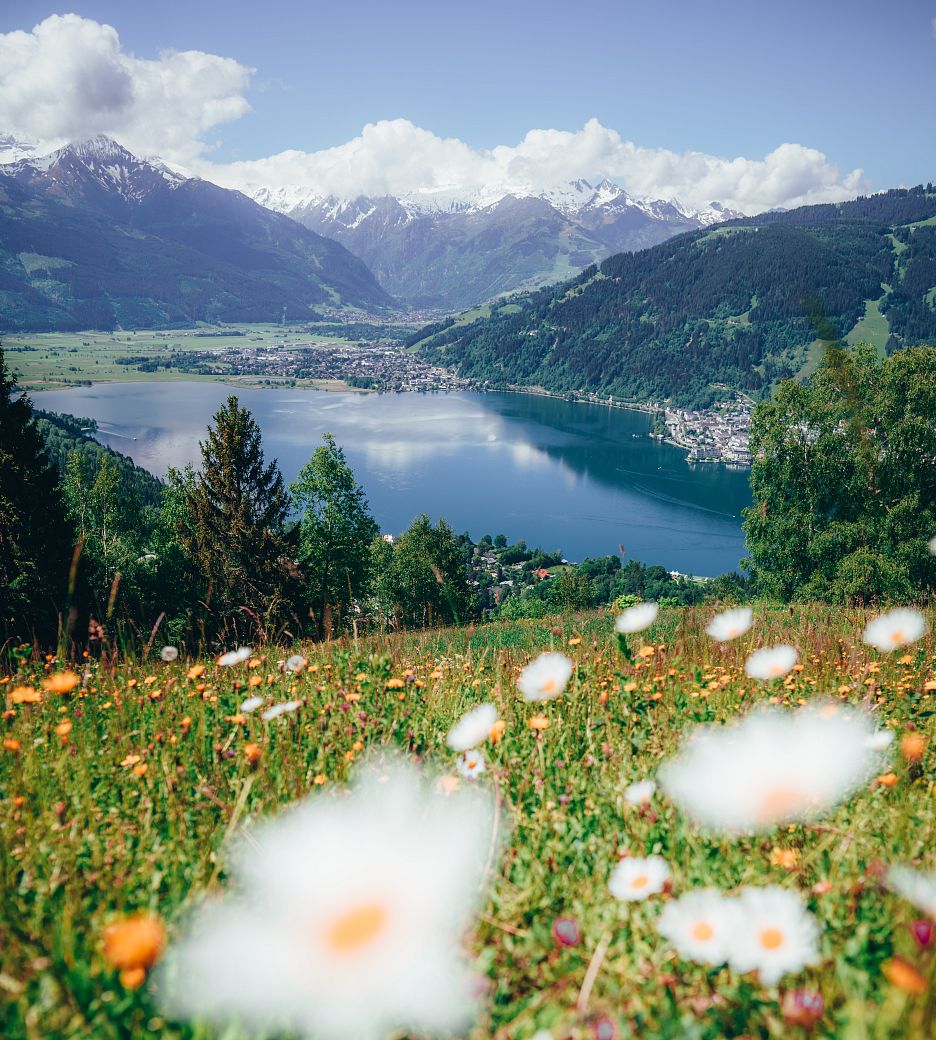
x=897 y=637
x=356 y=928
x=771 y=938
x=780 y=803
x=702 y=931
x=549 y=686
x=641 y=881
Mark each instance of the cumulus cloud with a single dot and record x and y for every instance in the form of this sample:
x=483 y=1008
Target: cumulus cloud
x=70 y=78
x=395 y=157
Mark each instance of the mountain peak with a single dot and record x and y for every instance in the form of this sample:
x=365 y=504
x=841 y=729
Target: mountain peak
x=98 y=149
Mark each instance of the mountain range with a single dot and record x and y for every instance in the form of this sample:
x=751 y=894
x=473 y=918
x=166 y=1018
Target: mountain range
x=93 y=237
x=737 y=306
x=454 y=250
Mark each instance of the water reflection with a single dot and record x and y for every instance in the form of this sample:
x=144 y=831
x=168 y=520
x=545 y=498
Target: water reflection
x=583 y=478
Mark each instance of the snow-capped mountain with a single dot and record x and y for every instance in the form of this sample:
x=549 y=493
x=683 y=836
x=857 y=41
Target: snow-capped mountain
x=93 y=236
x=452 y=249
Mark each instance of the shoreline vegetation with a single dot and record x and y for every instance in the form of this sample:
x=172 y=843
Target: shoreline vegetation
x=269 y=356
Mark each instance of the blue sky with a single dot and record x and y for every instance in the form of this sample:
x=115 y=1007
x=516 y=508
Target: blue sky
x=855 y=80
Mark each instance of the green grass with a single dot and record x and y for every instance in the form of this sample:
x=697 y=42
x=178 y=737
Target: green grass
x=85 y=839
x=52 y=360
x=873 y=328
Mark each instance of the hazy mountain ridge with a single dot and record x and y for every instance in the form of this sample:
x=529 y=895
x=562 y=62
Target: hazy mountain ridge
x=740 y=306
x=92 y=237
x=452 y=249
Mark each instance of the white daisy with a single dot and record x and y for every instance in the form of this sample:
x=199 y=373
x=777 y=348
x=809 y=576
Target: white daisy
x=635 y=878
x=545 y=678
x=234 y=657
x=296 y=663
x=276 y=710
x=774 y=934
x=700 y=925
x=915 y=886
x=470 y=764
x=880 y=739
x=895 y=629
x=641 y=792
x=730 y=624
x=251 y=704
x=169 y=653
x=771 y=662
x=771 y=767
x=637 y=618
x=931 y=545
x=472 y=729
x=350 y=912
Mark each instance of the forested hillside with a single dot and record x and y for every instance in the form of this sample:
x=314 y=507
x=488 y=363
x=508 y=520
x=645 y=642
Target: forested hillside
x=742 y=306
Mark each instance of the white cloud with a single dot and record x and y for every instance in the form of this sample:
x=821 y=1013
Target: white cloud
x=70 y=78
x=395 y=157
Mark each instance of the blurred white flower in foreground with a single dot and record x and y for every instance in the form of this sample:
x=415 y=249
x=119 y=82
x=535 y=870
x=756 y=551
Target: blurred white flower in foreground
x=295 y=663
x=772 y=662
x=700 y=925
x=348 y=917
x=470 y=764
x=636 y=618
x=895 y=629
x=545 y=678
x=880 y=739
x=251 y=704
x=284 y=708
x=640 y=792
x=234 y=657
x=774 y=934
x=771 y=767
x=636 y=878
x=915 y=886
x=472 y=729
x=169 y=653
x=931 y=545
x=730 y=624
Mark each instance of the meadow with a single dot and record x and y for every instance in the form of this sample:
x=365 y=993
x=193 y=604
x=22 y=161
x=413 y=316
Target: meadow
x=48 y=360
x=125 y=789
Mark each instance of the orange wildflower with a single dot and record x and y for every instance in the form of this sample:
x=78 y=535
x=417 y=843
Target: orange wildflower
x=912 y=746
x=195 y=671
x=903 y=975
x=64 y=728
x=887 y=779
x=61 y=682
x=25 y=695
x=11 y=744
x=395 y=684
x=497 y=731
x=134 y=943
x=253 y=753
x=538 y=723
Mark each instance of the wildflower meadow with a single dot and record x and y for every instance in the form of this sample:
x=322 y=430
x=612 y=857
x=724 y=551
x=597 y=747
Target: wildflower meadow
x=671 y=823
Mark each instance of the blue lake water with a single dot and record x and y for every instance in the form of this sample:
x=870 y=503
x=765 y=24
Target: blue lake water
x=585 y=479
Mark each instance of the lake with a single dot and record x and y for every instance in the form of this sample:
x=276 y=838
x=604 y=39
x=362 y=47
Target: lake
x=585 y=479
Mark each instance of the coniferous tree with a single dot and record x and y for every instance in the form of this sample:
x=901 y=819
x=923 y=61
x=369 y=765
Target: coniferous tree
x=232 y=529
x=335 y=534
x=35 y=538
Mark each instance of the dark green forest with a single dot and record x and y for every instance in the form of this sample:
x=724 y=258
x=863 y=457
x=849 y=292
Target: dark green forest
x=741 y=306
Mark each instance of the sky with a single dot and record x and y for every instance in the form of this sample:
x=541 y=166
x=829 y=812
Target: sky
x=751 y=103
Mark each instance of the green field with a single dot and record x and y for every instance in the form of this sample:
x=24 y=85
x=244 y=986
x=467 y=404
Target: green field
x=128 y=794
x=51 y=360
x=873 y=328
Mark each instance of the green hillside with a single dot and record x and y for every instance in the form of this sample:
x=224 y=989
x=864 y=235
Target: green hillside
x=739 y=306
